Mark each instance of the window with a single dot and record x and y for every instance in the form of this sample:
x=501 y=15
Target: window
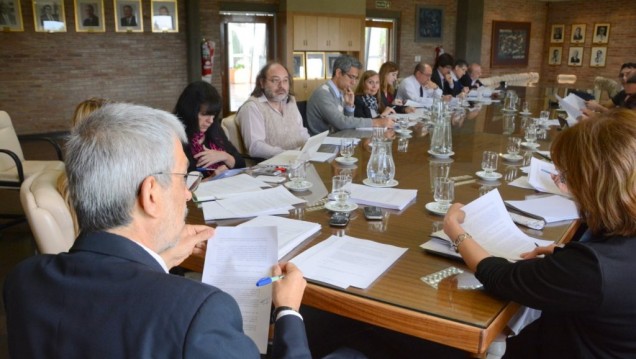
x=379 y=42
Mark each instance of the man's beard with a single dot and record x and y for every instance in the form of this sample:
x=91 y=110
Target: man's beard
x=271 y=96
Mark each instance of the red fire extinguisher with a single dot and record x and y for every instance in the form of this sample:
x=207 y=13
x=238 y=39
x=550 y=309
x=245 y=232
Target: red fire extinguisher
x=207 y=58
x=438 y=51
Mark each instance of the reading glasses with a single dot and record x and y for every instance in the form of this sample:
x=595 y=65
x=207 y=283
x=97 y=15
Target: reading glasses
x=192 y=179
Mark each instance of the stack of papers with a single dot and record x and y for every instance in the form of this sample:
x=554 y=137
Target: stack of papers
x=291 y=232
x=276 y=200
x=391 y=198
x=490 y=225
x=573 y=105
x=549 y=208
x=347 y=261
x=309 y=152
x=227 y=187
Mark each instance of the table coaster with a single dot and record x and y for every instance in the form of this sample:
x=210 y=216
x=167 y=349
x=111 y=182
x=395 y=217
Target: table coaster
x=434 y=278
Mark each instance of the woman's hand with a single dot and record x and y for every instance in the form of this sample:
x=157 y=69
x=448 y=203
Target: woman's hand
x=222 y=168
x=453 y=219
x=210 y=157
x=387 y=111
x=539 y=251
x=559 y=181
x=398 y=102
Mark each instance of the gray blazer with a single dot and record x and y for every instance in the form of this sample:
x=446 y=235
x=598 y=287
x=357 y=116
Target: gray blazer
x=325 y=111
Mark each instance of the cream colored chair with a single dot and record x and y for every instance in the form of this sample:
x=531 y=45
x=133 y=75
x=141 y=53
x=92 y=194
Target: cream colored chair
x=233 y=132
x=48 y=215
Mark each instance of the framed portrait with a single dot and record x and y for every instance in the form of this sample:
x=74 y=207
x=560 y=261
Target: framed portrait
x=128 y=16
x=577 y=36
x=557 y=33
x=554 y=55
x=165 y=16
x=315 y=65
x=331 y=58
x=575 y=56
x=428 y=23
x=298 y=59
x=601 y=33
x=598 y=55
x=11 y=16
x=48 y=16
x=89 y=15
x=510 y=44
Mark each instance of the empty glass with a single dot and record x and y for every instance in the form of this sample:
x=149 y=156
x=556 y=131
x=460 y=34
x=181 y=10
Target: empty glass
x=297 y=172
x=514 y=145
x=341 y=191
x=530 y=134
x=346 y=148
x=438 y=169
x=526 y=107
x=403 y=124
x=444 y=192
x=489 y=162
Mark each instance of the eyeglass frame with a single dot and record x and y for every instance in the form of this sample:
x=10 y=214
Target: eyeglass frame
x=193 y=187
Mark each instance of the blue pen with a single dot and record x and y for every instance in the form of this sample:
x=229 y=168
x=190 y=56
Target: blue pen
x=203 y=169
x=548 y=172
x=269 y=280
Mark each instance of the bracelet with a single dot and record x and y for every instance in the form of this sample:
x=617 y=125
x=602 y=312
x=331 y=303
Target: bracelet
x=280 y=309
x=459 y=240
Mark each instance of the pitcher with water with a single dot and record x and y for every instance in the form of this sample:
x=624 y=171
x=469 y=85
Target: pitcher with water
x=381 y=168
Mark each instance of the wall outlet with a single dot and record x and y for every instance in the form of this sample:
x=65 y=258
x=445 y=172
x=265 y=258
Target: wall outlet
x=418 y=58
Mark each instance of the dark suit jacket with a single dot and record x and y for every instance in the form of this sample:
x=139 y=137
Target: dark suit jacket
x=362 y=110
x=91 y=21
x=446 y=89
x=108 y=298
x=133 y=21
x=466 y=81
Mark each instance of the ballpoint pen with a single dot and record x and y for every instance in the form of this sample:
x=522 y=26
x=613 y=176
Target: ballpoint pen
x=268 y=280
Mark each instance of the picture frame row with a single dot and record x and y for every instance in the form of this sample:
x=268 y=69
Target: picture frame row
x=50 y=16
x=598 y=56
x=313 y=65
x=577 y=33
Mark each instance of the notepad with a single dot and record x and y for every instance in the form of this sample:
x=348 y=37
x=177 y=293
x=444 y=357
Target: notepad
x=391 y=198
x=550 y=208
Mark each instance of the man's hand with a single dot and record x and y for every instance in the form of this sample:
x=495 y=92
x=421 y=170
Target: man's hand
x=349 y=97
x=288 y=291
x=192 y=240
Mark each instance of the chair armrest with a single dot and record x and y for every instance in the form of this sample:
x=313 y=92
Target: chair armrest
x=56 y=146
x=18 y=165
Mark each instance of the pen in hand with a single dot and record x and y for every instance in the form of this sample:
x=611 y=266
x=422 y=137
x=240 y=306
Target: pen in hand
x=269 y=280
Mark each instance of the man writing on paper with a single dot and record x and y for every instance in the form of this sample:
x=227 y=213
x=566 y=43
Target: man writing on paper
x=418 y=86
x=111 y=295
x=331 y=106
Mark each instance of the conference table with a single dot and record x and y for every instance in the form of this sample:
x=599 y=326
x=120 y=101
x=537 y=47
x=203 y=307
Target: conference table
x=399 y=300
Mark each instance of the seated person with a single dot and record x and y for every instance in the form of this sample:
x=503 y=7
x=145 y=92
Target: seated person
x=208 y=148
x=388 y=76
x=111 y=296
x=269 y=120
x=459 y=70
x=418 y=86
x=442 y=73
x=367 y=93
x=627 y=69
x=331 y=105
x=584 y=289
x=471 y=78
x=629 y=91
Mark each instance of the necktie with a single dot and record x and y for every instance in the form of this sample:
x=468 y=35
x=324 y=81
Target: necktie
x=421 y=92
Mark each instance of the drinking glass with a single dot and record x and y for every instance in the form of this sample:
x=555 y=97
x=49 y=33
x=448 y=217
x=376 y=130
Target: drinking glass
x=403 y=124
x=526 y=107
x=341 y=190
x=531 y=134
x=514 y=145
x=489 y=162
x=543 y=118
x=377 y=135
x=444 y=192
x=346 y=148
x=297 y=172
x=438 y=169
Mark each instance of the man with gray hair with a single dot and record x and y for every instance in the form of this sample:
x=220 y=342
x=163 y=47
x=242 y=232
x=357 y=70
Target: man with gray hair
x=111 y=296
x=419 y=86
x=331 y=105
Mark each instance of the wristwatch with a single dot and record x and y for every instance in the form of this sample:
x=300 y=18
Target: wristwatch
x=455 y=243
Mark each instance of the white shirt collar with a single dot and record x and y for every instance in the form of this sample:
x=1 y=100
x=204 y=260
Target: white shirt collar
x=154 y=255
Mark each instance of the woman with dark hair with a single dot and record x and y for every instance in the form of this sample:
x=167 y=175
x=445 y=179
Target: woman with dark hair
x=388 y=76
x=584 y=289
x=208 y=148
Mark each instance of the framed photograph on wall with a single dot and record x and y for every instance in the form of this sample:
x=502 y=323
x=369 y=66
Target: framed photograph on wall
x=577 y=36
x=557 y=33
x=165 y=16
x=315 y=65
x=298 y=60
x=89 y=15
x=554 y=55
x=11 y=16
x=575 y=56
x=598 y=55
x=331 y=58
x=428 y=23
x=601 y=33
x=510 y=44
x=128 y=16
x=48 y=15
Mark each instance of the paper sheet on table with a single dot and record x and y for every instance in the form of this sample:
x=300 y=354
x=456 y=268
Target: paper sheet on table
x=489 y=223
x=572 y=104
x=226 y=187
x=542 y=181
x=336 y=141
x=421 y=102
x=521 y=182
x=347 y=261
x=392 y=198
x=551 y=208
x=276 y=200
x=236 y=258
x=291 y=232
x=307 y=152
x=414 y=117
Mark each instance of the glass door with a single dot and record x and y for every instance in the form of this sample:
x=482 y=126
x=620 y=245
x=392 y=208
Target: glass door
x=379 y=42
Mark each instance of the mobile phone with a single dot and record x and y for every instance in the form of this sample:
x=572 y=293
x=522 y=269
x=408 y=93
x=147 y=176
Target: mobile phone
x=339 y=219
x=372 y=213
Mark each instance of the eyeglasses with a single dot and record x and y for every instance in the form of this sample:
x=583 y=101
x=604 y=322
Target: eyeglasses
x=354 y=78
x=277 y=81
x=192 y=179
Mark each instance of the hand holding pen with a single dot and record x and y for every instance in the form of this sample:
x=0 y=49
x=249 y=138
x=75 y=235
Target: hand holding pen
x=289 y=285
x=559 y=180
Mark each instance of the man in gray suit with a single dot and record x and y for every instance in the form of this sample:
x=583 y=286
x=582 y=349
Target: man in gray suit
x=331 y=105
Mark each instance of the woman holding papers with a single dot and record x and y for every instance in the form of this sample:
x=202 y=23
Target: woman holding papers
x=585 y=289
x=208 y=149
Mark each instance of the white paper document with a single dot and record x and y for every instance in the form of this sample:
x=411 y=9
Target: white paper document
x=336 y=141
x=421 y=102
x=391 y=198
x=227 y=187
x=573 y=105
x=276 y=200
x=308 y=152
x=347 y=261
x=236 y=258
x=291 y=232
x=521 y=182
x=489 y=223
x=542 y=181
x=549 y=208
